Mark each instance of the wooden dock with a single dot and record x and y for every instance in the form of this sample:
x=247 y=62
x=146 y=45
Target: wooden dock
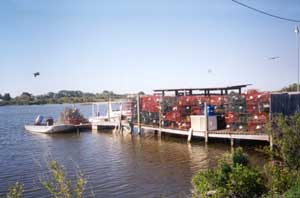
x=223 y=134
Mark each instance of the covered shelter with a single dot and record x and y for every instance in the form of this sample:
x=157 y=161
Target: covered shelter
x=201 y=91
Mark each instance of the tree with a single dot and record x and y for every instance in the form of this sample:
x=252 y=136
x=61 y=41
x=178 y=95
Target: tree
x=25 y=95
x=285 y=132
x=6 y=97
x=290 y=88
x=141 y=93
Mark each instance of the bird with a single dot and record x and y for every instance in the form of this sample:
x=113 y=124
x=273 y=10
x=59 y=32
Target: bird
x=273 y=57
x=36 y=74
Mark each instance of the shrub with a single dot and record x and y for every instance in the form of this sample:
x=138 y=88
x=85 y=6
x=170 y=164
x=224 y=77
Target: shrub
x=59 y=186
x=285 y=131
x=230 y=179
x=239 y=157
x=16 y=191
x=245 y=182
x=293 y=192
x=279 y=178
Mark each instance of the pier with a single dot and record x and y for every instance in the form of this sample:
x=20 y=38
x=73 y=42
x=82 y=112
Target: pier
x=188 y=112
x=222 y=134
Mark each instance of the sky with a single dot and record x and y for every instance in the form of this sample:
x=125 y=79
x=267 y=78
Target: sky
x=131 y=45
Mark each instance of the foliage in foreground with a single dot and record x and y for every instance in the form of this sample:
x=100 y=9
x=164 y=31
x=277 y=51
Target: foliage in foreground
x=280 y=178
x=58 y=186
x=16 y=191
x=232 y=178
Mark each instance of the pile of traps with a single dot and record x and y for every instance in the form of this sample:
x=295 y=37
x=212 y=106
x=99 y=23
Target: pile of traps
x=72 y=116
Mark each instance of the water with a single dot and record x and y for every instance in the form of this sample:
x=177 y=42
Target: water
x=114 y=165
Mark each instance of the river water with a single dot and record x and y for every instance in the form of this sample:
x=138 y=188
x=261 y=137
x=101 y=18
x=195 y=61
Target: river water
x=114 y=165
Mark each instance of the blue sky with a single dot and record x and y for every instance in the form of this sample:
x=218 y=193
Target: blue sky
x=127 y=46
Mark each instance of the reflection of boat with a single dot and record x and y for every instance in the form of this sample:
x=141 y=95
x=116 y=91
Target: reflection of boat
x=56 y=128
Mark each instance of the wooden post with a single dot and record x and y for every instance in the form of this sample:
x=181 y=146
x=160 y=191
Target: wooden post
x=108 y=109
x=190 y=135
x=160 y=116
x=270 y=120
x=93 y=110
x=120 y=118
x=231 y=141
x=271 y=142
x=138 y=113
x=206 y=127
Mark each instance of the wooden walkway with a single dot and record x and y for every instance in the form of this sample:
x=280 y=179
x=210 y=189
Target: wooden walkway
x=223 y=134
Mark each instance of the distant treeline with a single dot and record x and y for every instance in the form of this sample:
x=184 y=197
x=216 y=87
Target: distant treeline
x=63 y=96
x=290 y=88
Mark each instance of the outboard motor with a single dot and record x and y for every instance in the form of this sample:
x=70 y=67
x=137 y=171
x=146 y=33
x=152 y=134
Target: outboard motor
x=49 y=121
x=38 y=120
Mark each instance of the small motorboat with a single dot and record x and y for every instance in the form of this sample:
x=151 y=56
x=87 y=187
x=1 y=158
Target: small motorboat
x=71 y=119
x=49 y=126
x=56 y=128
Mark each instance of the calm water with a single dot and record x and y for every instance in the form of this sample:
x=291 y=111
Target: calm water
x=114 y=165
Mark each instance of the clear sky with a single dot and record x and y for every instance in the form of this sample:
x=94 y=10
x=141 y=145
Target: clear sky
x=131 y=45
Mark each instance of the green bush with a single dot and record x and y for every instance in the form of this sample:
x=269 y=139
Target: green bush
x=279 y=178
x=60 y=187
x=205 y=181
x=230 y=179
x=285 y=132
x=239 y=157
x=245 y=182
x=293 y=192
x=16 y=191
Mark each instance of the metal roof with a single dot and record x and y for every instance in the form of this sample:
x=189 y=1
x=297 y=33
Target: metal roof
x=205 y=89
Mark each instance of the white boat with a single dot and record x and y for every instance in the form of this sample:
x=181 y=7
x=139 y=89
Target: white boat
x=56 y=128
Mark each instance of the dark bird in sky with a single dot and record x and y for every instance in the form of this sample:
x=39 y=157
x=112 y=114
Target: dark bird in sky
x=36 y=74
x=273 y=57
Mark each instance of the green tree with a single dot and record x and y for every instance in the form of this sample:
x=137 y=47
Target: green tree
x=6 y=97
x=285 y=132
x=290 y=88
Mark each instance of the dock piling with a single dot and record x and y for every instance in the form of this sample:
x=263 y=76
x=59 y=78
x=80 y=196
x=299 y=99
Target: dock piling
x=271 y=142
x=206 y=127
x=138 y=113
x=190 y=135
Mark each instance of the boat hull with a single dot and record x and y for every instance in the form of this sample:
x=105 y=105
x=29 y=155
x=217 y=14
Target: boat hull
x=49 y=129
